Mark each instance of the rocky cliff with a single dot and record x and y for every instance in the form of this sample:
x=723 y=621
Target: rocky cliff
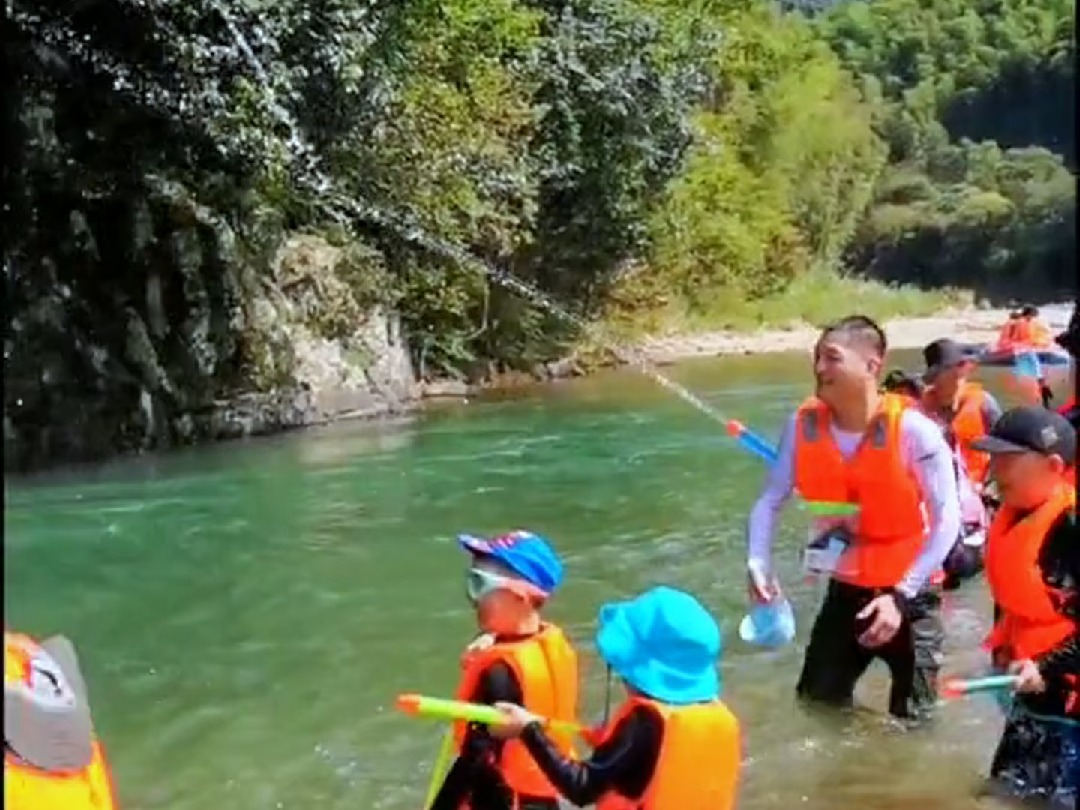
x=217 y=342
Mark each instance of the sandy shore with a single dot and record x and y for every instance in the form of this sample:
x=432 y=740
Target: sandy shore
x=964 y=325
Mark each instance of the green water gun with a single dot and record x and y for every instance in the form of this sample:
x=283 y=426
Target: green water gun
x=439 y=709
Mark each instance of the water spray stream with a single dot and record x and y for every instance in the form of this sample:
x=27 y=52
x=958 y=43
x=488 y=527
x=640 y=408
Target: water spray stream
x=330 y=199
x=341 y=208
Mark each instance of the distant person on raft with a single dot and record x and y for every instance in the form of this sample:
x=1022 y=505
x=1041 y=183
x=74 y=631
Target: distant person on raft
x=850 y=443
x=1024 y=330
x=1023 y=335
x=672 y=744
x=1033 y=570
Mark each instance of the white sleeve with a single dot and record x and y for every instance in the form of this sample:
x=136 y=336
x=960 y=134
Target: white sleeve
x=927 y=456
x=778 y=487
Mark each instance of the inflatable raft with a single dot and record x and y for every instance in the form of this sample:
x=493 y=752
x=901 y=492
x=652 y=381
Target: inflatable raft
x=1051 y=357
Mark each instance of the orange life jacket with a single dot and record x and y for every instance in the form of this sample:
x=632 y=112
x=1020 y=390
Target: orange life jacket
x=545 y=666
x=890 y=527
x=1013 y=333
x=968 y=426
x=1030 y=624
x=1039 y=334
x=1025 y=333
x=29 y=788
x=699 y=760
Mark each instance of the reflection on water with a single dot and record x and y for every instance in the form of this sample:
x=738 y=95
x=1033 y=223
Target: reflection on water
x=247 y=613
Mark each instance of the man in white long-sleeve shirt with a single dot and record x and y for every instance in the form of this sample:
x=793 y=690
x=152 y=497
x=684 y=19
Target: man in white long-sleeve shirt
x=853 y=444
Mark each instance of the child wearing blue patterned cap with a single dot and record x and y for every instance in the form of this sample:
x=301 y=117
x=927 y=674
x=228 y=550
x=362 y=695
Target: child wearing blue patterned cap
x=520 y=658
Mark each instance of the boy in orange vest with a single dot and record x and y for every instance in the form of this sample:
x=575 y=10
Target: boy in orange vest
x=672 y=745
x=525 y=660
x=1033 y=569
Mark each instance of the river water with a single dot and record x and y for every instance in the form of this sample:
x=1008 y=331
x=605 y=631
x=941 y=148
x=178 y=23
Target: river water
x=246 y=613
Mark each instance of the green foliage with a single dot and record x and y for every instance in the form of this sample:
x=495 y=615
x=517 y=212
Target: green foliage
x=634 y=159
x=782 y=167
x=994 y=208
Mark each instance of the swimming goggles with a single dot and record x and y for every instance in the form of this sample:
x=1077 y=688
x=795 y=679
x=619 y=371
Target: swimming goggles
x=479 y=583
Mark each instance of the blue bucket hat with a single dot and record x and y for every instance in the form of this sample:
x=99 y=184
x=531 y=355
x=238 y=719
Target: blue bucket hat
x=528 y=555
x=664 y=644
x=769 y=624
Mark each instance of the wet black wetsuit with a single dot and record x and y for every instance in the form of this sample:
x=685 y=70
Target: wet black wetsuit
x=1035 y=757
x=835 y=659
x=474 y=776
x=624 y=762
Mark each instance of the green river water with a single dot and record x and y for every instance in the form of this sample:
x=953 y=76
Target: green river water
x=246 y=613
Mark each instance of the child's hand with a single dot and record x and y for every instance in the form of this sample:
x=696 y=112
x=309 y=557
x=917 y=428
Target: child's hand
x=481 y=643
x=1030 y=679
x=514 y=721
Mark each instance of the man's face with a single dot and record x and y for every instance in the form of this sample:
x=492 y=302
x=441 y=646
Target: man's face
x=946 y=383
x=843 y=368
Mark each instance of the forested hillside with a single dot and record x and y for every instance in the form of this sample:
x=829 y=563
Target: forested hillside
x=978 y=104
x=218 y=210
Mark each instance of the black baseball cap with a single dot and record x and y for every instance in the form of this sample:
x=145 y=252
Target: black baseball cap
x=942 y=355
x=1031 y=429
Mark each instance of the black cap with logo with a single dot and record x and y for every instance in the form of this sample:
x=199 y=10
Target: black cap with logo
x=1030 y=429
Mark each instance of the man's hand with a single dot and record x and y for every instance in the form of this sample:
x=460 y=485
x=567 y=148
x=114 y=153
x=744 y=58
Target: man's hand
x=1030 y=680
x=761 y=587
x=885 y=620
x=514 y=720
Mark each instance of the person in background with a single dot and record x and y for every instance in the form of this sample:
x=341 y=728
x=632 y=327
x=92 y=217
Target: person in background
x=1022 y=335
x=1035 y=333
x=672 y=745
x=525 y=660
x=909 y=386
x=1069 y=340
x=52 y=758
x=1033 y=570
x=851 y=443
x=965 y=411
x=1011 y=332
x=963 y=408
x=1024 y=330
x=965 y=559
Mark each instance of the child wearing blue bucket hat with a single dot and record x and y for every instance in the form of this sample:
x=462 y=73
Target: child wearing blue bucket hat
x=672 y=745
x=524 y=659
